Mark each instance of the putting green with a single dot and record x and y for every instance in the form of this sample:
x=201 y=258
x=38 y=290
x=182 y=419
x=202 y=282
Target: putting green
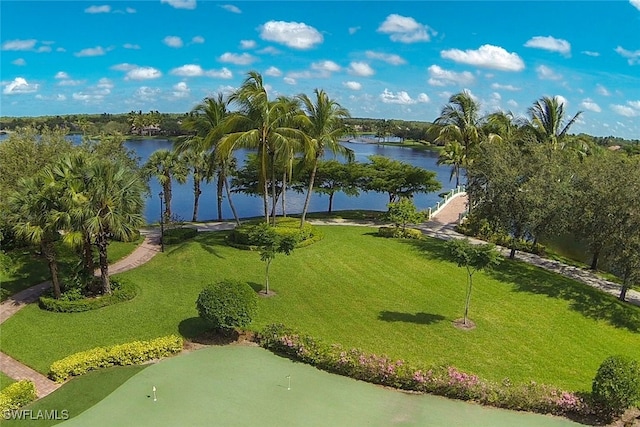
x=249 y=386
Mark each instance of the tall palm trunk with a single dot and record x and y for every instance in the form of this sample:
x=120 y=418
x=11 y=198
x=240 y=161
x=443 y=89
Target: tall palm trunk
x=307 y=199
x=219 y=189
x=265 y=185
x=167 y=199
x=50 y=255
x=87 y=254
x=274 y=198
x=196 y=196
x=284 y=194
x=102 y=243
x=233 y=208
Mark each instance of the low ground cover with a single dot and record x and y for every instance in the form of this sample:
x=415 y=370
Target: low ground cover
x=385 y=296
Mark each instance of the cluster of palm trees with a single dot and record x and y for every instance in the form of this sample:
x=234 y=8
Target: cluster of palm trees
x=286 y=132
x=86 y=201
x=462 y=129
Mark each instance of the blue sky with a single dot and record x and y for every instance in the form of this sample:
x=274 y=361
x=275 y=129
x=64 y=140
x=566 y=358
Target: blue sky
x=394 y=60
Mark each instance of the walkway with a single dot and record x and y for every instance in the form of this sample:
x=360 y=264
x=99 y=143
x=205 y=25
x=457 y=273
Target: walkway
x=441 y=226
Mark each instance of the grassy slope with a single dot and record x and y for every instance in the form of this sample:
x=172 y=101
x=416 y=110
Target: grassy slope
x=354 y=288
x=5 y=380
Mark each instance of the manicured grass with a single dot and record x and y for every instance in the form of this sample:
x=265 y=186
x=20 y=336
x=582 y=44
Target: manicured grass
x=29 y=270
x=79 y=394
x=354 y=288
x=5 y=380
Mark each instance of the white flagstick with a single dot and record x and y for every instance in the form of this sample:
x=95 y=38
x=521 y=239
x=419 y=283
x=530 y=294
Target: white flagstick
x=154 y=394
x=289 y=378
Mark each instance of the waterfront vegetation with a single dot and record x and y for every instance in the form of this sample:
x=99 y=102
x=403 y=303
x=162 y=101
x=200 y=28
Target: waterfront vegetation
x=527 y=181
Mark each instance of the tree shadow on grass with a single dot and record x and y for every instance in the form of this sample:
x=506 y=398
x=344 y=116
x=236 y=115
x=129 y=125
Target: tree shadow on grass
x=258 y=287
x=418 y=318
x=588 y=301
x=208 y=241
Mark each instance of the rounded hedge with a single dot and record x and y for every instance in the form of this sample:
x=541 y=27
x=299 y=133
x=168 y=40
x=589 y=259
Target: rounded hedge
x=616 y=386
x=240 y=237
x=227 y=304
x=122 y=291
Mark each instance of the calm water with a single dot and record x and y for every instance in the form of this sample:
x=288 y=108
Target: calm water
x=247 y=206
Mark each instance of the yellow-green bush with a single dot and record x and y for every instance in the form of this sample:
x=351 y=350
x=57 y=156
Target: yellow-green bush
x=399 y=233
x=132 y=353
x=17 y=394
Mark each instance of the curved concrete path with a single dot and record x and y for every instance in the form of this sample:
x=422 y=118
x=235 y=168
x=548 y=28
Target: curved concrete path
x=441 y=226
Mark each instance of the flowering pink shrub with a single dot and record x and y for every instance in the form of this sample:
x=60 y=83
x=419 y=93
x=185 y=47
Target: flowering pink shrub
x=444 y=381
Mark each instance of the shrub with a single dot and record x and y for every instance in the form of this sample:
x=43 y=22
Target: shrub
x=241 y=236
x=616 y=385
x=441 y=380
x=227 y=304
x=73 y=302
x=133 y=353
x=16 y=395
x=397 y=232
x=177 y=235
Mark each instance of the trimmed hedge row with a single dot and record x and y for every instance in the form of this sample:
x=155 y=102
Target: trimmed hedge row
x=124 y=292
x=441 y=380
x=133 y=353
x=240 y=237
x=177 y=235
x=16 y=395
x=397 y=232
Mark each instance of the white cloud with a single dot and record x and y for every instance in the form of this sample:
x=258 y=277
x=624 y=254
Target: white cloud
x=389 y=58
x=237 y=59
x=105 y=85
x=19 y=85
x=602 y=90
x=353 y=30
x=361 y=69
x=550 y=43
x=181 y=4
x=632 y=57
x=273 y=72
x=297 y=35
x=634 y=104
x=223 y=73
x=188 y=70
x=143 y=73
x=546 y=73
x=123 y=67
x=98 y=9
x=624 y=110
x=130 y=10
x=42 y=49
x=512 y=103
x=131 y=46
x=81 y=96
x=231 y=8
x=173 y=41
x=301 y=75
x=19 y=62
x=591 y=53
x=504 y=87
x=562 y=100
x=402 y=98
x=269 y=50
x=487 y=56
x=326 y=66
x=197 y=40
x=635 y=3
x=290 y=80
x=91 y=51
x=352 y=85
x=19 y=44
x=181 y=90
x=405 y=29
x=589 y=104
x=69 y=82
x=146 y=93
x=441 y=77
x=247 y=44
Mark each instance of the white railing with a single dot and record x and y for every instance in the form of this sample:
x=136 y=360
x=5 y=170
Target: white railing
x=445 y=200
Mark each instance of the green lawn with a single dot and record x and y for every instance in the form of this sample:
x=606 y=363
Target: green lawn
x=354 y=288
x=29 y=270
x=5 y=380
x=79 y=394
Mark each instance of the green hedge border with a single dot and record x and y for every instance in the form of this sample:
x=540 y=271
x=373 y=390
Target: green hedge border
x=126 y=292
x=16 y=395
x=310 y=241
x=132 y=353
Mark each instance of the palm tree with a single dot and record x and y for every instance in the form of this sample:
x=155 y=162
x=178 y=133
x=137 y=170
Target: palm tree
x=324 y=124
x=459 y=122
x=37 y=208
x=547 y=123
x=263 y=125
x=453 y=154
x=113 y=208
x=201 y=169
x=502 y=126
x=166 y=166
